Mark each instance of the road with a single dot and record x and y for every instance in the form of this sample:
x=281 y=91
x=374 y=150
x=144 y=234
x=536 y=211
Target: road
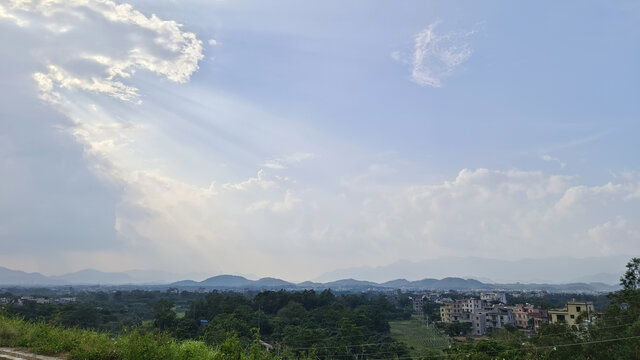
x=13 y=354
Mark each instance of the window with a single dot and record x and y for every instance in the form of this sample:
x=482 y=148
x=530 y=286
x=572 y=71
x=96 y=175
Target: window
x=573 y=316
x=577 y=308
x=560 y=317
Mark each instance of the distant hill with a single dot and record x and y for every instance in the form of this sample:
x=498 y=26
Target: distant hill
x=350 y=284
x=309 y=285
x=227 y=282
x=272 y=283
x=235 y=282
x=16 y=277
x=553 y=270
x=398 y=283
x=90 y=276
x=421 y=284
x=455 y=283
x=162 y=277
x=185 y=283
x=603 y=277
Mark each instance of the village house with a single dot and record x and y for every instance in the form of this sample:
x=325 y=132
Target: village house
x=481 y=315
x=571 y=313
x=499 y=297
x=528 y=316
x=418 y=303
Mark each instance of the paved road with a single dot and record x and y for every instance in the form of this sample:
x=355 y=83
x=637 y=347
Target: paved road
x=12 y=354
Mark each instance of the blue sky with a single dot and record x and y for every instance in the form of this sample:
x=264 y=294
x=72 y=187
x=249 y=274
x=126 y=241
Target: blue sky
x=293 y=138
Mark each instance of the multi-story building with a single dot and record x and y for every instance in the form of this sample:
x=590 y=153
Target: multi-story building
x=418 y=303
x=471 y=305
x=572 y=311
x=478 y=323
x=480 y=315
x=494 y=297
x=451 y=312
x=527 y=316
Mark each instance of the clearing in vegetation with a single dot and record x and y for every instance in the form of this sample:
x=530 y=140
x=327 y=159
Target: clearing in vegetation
x=422 y=340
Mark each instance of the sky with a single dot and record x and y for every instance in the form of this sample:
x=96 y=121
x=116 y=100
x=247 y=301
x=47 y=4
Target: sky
x=290 y=139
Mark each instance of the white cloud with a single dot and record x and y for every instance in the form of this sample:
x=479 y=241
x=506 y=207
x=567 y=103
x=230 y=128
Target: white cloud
x=435 y=56
x=289 y=160
x=213 y=42
x=399 y=57
x=503 y=214
x=57 y=78
x=158 y=46
x=484 y=213
x=7 y=14
x=547 y=157
x=604 y=236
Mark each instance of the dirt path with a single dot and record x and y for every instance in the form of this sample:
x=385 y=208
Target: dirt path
x=13 y=354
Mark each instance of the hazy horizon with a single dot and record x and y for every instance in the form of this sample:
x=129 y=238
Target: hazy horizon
x=559 y=270
x=292 y=140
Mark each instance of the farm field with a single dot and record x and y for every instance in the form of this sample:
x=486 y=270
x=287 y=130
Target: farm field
x=422 y=340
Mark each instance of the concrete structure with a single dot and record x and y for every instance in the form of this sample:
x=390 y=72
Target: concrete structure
x=499 y=297
x=471 y=305
x=478 y=323
x=572 y=311
x=479 y=314
x=528 y=316
x=418 y=305
x=451 y=312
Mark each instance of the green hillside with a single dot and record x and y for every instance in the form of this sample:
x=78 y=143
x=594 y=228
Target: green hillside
x=422 y=340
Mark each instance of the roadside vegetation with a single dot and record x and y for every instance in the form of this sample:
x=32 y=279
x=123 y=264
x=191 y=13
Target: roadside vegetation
x=221 y=325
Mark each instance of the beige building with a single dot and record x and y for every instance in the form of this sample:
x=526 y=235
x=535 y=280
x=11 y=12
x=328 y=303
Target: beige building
x=452 y=312
x=527 y=315
x=570 y=314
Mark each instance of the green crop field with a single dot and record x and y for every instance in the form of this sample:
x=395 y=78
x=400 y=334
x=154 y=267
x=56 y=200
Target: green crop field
x=423 y=340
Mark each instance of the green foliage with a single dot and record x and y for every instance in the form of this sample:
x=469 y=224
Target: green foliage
x=301 y=321
x=102 y=311
x=422 y=340
x=486 y=350
x=300 y=324
x=455 y=329
x=164 y=318
x=292 y=313
x=47 y=339
x=631 y=278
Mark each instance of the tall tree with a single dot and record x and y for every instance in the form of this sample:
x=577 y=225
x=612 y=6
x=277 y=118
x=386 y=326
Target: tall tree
x=631 y=279
x=164 y=318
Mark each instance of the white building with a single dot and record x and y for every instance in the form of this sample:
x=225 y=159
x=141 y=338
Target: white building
x=494 y=297
x=481 y=315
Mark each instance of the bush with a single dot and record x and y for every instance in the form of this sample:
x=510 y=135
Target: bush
x=47 y=339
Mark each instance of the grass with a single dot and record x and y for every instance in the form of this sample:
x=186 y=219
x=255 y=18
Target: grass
x=46 y=339
x=422 y=340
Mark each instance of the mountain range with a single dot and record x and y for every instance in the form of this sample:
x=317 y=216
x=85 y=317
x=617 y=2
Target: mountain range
x=449 y=283
x=94 y=277
x=552 y=270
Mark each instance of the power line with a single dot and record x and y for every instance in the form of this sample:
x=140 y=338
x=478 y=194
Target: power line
x=529 y=348
x=570 y=331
